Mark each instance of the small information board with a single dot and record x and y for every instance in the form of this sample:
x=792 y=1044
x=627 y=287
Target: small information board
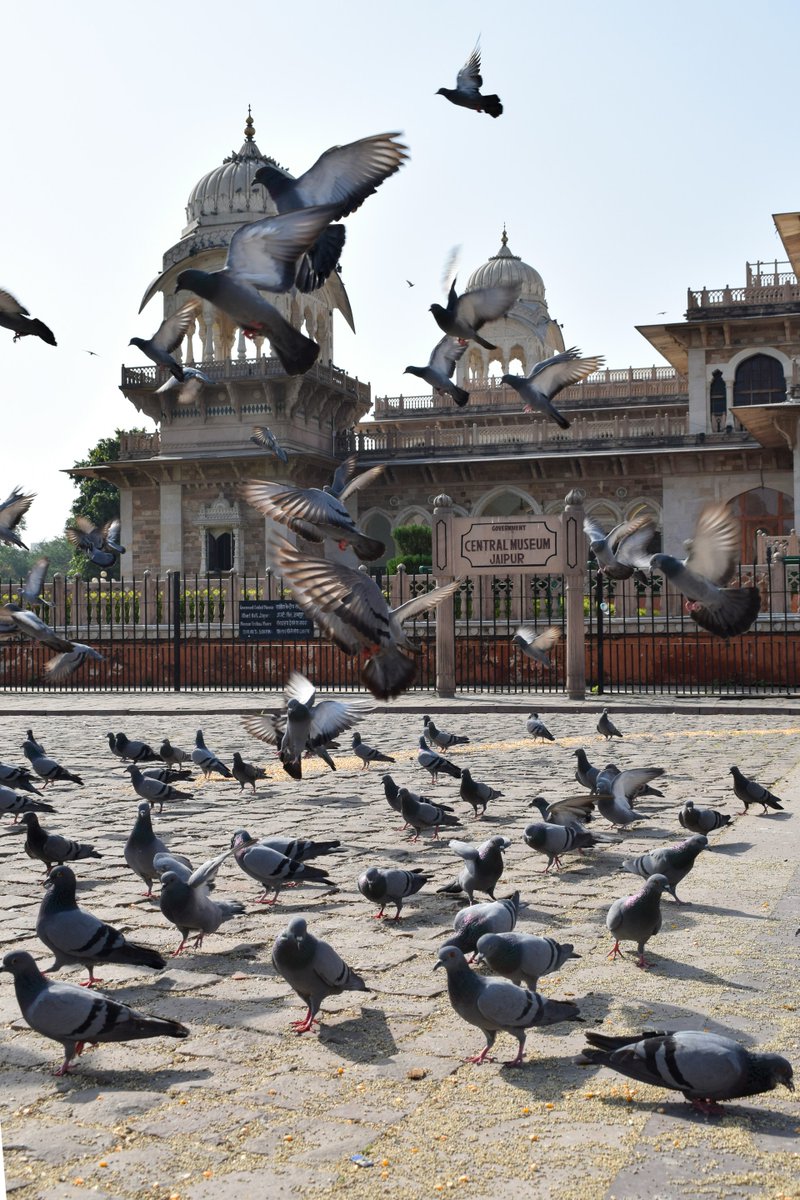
x=273 y=620
x=497 y=545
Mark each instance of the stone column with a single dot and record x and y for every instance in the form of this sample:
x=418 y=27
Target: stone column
x=126 y=530
x=171 y=526
x=445 y=614
x=574 y=579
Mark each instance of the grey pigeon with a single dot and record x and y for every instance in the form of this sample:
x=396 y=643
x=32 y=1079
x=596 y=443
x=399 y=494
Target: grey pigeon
x=435 y=764
x=187 y=904
x=142 y=846
x=31 y=589
x=466 y=314
x=152 y=790
x=348 y=479
x=99 y=544
x=188 y=391
x=521 y=957
x=312 y=969
x=133 y=751
x=47 y=768
x=537 y=645
x=701 y=820
x=555 y=840
x=442 y=738
x=391 y=886
x=574 y=810
x=12 y=510
x=495 y=1005
x=626 y=543
x=422 y=814
x=585 y=773
x=27 y=624
x=77 y=937
x=166 y=774
x=673 y=862
x=17 y=318
x=18 y=777
x=368 y=754
x=11 y=802
x=439 y=371
x=246 y=773
x=271 y=868
x=169 y=335
x=607 y=727
x=637 y=918
x=472 y=922
x=476 y=793
x=307 y=727
x=76 y=1018
x=549 y=377
x=469 y=81
x=617 y=810
x=313 y=513
x=750 y=792
x=206 y=760
x=262 y=436
x=483 y=866
x=173 y=756
x=301 y=849
x=65 y=664
x=52 y=848
x=705 y=1067
x=537 y=729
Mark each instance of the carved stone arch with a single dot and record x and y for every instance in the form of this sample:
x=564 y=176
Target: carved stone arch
x=413 y=515
x=605 y=513
x=517 y=363
x=500 y=502
x=734 y=362
x=643 y=507
x=496 y=363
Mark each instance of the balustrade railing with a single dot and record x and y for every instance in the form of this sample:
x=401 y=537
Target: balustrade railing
x=227 y=370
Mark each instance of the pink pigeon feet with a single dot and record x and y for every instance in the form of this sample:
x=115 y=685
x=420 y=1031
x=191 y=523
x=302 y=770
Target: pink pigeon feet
x=615 y=953
x=307 y=1024
x=481 y=1058
x=709 y=1108
x=643 y=964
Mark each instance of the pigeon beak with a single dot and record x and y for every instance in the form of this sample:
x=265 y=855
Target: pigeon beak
x=574 y=955
x=789 y=1082
x=438 y=964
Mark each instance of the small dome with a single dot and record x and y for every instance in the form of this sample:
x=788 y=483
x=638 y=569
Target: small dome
x=225 y=193
x=505 y=267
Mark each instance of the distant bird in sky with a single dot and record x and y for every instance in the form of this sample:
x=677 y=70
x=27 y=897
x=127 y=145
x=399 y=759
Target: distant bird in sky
x=410 y=284
x=468 y=313
x=17 y=318
x=12 y=510
x=469 y=81
x=549 y=377
x=93 y=353
x=166 y=339
x=439 y=371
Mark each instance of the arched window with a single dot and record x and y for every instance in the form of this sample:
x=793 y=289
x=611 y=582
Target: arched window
x=765 y=510
x=506 y=504
x=759 y=380
x=219 y=551
x=717 y=401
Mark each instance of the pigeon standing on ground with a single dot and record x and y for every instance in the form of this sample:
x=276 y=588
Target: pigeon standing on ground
x=585 y=773
x=47 y=768
x=312 y=969
x=153 y=791
x=246 y=773
x=307 y=727
x=483 y=866
x=607 y=727
x=132 y=751
x=17 y=318
x=19 y=778
x=423 y=814
x=554 y=840
x=368 y=754
x=12 y=510
x=76 y=1018
x=523 y=958
x=495 y=1005
x=262 y=436
x=206 y=760
x=169 y=335
x=537 y=645
x=472 y=922
x=702 y=820
x=476 y=793
x=52 y=848
x=637 y=918
x=271 y=868
x=442 y=738
x=439 y=371
x=11 y=802
x=187 y=904
x=548 y=378
x=77 y=937
x=141 y=848
x=705 y=1067
x=673 y=862
x=469 y=81
x=750 y=792
x=391 y=886
x=466 y=314
x=391 y=790
x=435 y=764
x=173 y=756
x=537 y=729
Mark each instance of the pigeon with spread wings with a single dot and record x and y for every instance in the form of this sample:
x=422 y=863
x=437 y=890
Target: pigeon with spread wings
x=468 y=313
x=439 y=371
x=308 y=726
x=613 y=551
x=466 y=93
x=12 y=510
x=17 y=318
x=533 y=644
x=166 y=339
x=551 y=376
x=100 y=544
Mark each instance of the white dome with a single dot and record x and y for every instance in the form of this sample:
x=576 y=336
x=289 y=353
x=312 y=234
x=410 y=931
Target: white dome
x=226 y=192
x=505 y=267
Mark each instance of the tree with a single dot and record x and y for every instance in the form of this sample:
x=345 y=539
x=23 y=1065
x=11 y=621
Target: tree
x=98 y=500
x=415 y=545
x=15 y=563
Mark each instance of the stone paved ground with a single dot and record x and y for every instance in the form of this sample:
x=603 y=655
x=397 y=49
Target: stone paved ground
x=246 y=1109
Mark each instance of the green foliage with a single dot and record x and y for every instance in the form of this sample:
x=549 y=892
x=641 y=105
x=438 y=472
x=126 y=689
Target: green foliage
x=413 y=563
x=15 y=563
x=414 y=539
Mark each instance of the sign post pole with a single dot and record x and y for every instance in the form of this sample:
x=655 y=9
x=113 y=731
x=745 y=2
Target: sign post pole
x=574 y=574
x=445 y=613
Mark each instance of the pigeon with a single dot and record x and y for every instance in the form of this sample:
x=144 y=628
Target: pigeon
x=555 y=840
x=65 y=664
x=574 y=810
x=703 y=575
x=637 y=918
x=585 y=773
x=384 y=887
x=34 y=745
x=347 y=480
x=537 y=729
x=472 y=922
x=142 y=846
x=31 y=589
x=78 y=937
x=272 y=869
x=300 y=849
x=166 y=774
x=424 y=814
x=173 y=756
x=28 y=625
x=187 y=905
x=262 y=436
x=475 y=793
x=368 y=754
x=613 y=550
x=549 y=377
x=442 y=738
x=246 y=772
x=392 y=792
x=439 y=371
x=535 y=645
x=521 y=957
x=617 y=810
x=705 y=1067
x=18 y=777
x=435 y=764
x=468 y=313
x=206 y=760
x=153 y=791
x=750 y=792
x=307 y=726
x=76 y=1018
x=312 y=969
x=169 y=335
x=495 y=1005
x=702 y=820
x=483 y=866
x=673 y=862
x=13 y=508
x=313 y=514
x=469 y=81
x=628 y=785
x=52 y=848
x=190 y=390
x=607 y=727
x=100 y=544
x=352 y=611
x=17 y=318
x=132 y=751
x=604 y=781
x=10 y=802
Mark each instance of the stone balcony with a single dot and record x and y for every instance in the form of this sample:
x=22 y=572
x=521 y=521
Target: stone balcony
x=137 y=444
x=226 y=371
x=770 y=288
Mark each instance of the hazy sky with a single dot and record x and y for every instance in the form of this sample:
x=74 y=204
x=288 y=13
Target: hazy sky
x=642 y=150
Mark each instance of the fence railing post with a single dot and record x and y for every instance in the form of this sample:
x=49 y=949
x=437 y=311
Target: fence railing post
x=574 y=577
x=175 y=596
x=445 y=618
x=598 y=606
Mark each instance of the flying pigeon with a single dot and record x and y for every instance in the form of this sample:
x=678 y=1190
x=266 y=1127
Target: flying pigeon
x=423 y=814
x=141 y=848
x=483 y=866
x=47 y=768
x=434 y=763
x=475 y=793
x=313 y=514
x=12 y=510
x=31 y=589
x=705 y=1067
x=612 y=550
x=468 y=313
x=169 y=335
x=153 y=791
x=246 y=773
x=637 y=918
x=536 y=645
x=187 y=904
x=439 y=371
x=551 y=376
x=312 y=969
x=673 y=862
x=63 y=665
x=537 y=729
x=27 y=624
x=368 y=754
x=442 y=738
x=750 y=792
x=472 y=922
x=11 y=802
x=573 y=810
x=306 y=727
x=262 y=436
x=206 y=760
x=391 y=886
x=271 y=868
x=702 y=820
x=521 y=957
x=100 y=544
x=52 y=848
x=607 y=727
x=13 y=316
x=346 y=479
x=495 y=1005
x=76 y=1018
x=189 y=391
x=469 y=81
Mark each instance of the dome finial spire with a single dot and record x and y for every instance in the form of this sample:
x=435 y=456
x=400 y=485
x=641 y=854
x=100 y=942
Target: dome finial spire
x=249 y=128
x=504 y=238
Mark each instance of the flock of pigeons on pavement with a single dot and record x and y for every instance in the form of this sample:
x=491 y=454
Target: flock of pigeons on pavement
x=705 y=1067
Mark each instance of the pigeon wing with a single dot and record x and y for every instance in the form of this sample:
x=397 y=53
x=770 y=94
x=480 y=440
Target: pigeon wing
x=267 y=728
x=301 y=689
x=426 y=600
x=14 y=508
x=362 y=480
x=486 y=304
x=172 y=330
x=715 y=547
x=627 y=782
x=446 y=355
x=265 y=253
x=469 y=78
x=344 y=176
x=508 y=1006
x=11 y=306
x=561 y=370
x=329 y=719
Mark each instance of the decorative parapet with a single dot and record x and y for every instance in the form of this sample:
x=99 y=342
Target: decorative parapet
x=771 y=284
x=231 y=370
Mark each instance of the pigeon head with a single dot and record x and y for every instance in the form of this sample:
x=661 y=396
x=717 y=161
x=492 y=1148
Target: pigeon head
x=297 y=929
x=781 y=1070
x=465 y=773
x=536 y=835
x=437 y=310
x=241 y=838
x=356 y=739
x=137 y=342
x=508 y=379
x=419 y=371
x=20 y=963
x=61 y=880
x=372 y=874
x=449 y=957
x=200 y=282
x=30 y=819
x=143 y=810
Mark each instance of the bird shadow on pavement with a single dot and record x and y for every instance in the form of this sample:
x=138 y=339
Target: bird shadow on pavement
x=361 y=1039
x=124 y=1081
x=731 y=848
x=778 y=1124
x=343 y=801
x=681 y=970
x=719 y=909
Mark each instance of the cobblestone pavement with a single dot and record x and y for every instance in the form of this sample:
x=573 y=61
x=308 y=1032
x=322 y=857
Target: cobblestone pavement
x=245 y=1108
